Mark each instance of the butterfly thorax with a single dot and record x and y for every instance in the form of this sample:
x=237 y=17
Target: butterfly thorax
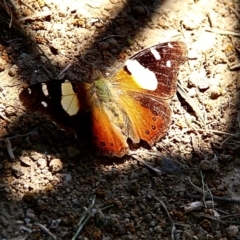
x=101 y=90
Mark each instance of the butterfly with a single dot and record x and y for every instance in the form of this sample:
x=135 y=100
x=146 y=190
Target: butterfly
x=112 y=113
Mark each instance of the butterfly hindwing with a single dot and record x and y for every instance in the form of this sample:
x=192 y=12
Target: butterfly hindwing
x=149 y=117
x=107 y=135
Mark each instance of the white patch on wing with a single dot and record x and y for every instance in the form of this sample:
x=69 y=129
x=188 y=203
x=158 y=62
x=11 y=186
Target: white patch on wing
x=145 y=78
x=69 y=99
x=45 y=90
x=44 y=104
x=155 y=53
x=170 y=45
x=29 y=91
x=168 y=63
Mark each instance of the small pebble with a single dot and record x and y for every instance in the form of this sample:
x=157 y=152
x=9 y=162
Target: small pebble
x=122 y=230
x=63 y=11
x=237 y=83
x=232 y=231
x=55 y=223
x=18 y=170
x=205 y=165
x=26 y=160
x=152 y=224
x=112 y=42
x=192 y=92
x=104 y=45
x=10 y=111
x=55 y=45
x=13 y=70
x=2 y=64
x=67 y=178
x=55 y=165
x=35 y=156
x=203 y=83
x=215 y=92
x=147 y=218
x=42 y=163
x=126 y=220
x=158 y=229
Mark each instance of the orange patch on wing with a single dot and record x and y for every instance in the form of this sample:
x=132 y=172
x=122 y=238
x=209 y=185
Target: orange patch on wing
x=107 y=136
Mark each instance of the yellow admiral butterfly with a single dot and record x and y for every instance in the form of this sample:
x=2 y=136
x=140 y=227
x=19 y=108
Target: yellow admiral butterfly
x=129 y=106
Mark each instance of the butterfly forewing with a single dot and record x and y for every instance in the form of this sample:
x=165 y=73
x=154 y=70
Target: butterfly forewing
x=162 y=60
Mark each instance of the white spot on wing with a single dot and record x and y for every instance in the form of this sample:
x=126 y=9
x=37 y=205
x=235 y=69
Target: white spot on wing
x=168 y=63
x=29 y=91
x=45 y=90
x=170 y=45
x=155 y=53
x=44 y=104
x=69 y=99
x=145 y=78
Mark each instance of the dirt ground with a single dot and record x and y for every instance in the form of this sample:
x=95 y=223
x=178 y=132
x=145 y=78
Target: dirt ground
x=185 y=187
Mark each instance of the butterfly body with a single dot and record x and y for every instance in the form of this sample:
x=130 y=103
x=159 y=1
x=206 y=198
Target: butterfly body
x=131 y=105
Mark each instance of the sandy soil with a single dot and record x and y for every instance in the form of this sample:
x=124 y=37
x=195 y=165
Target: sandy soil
x=186 y=187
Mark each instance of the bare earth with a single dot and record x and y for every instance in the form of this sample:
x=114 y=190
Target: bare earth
x=186 y=187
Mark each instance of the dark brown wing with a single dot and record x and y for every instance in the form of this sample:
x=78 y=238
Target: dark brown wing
x=162 y=60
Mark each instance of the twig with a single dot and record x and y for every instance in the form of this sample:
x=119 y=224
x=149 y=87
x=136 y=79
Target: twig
x=210 y=19
x=4 y=117
x=11 y=3
x=157 y=155
x=194 y=186
x=86 y=215
x=194 y=105
x=8 y=6
x=225 y=140
x=235 y=12
x=112 y=36
x=60 y=75
x=89 y=212
x=46 y=230
x=27 y=5
x=205 y=192
x=235 y=67
x=18 y=135
x=216 y=198
x=223 y=32
x=157 y=171
x=81 y=226
x=39 y=15
x=238 y=119
x=11 y=20
x=9 y=148
x=173 y=227
x=217 y=132
x=146 y=9
x=209 y=217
